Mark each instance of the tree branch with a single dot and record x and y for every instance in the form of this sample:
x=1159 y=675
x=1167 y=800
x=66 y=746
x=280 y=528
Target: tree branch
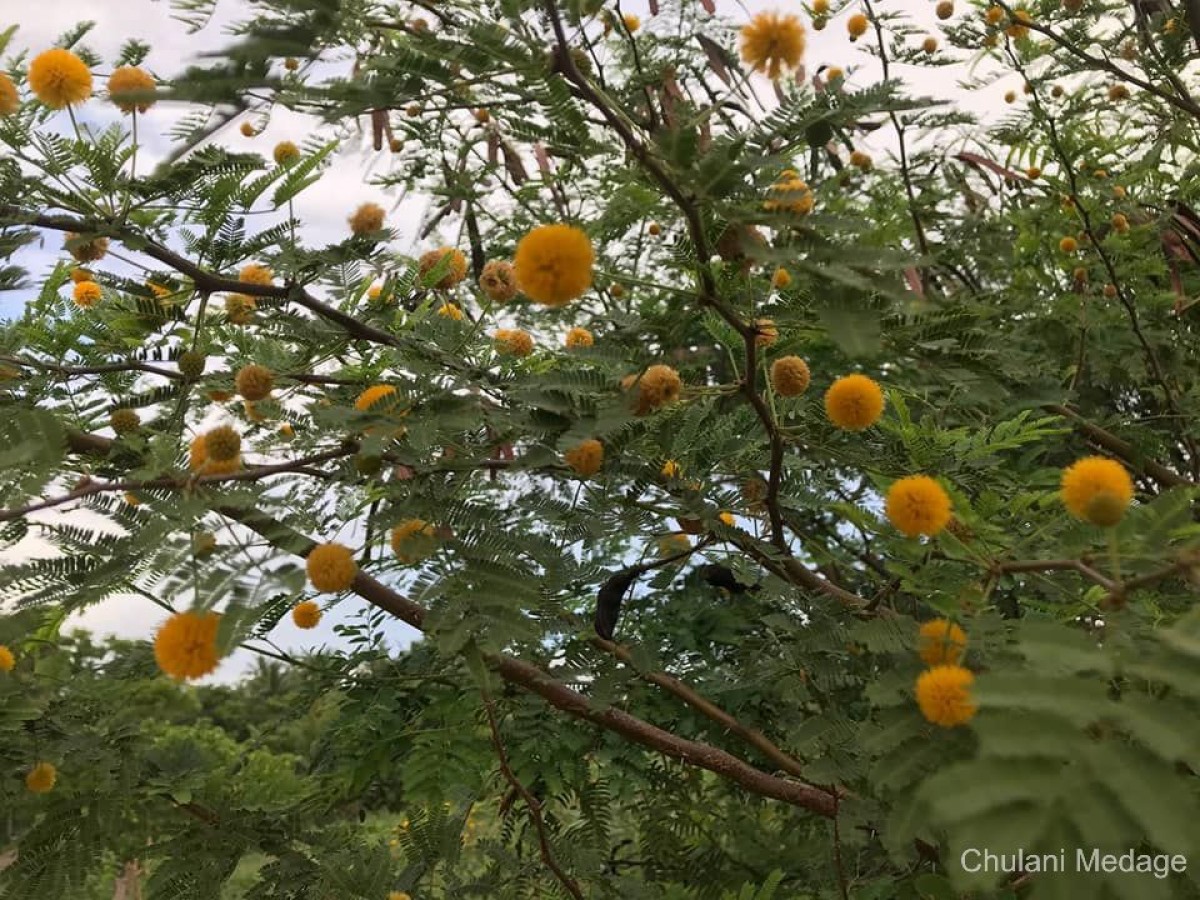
x=531 y=802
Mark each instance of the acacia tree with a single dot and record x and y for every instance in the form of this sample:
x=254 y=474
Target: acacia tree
x=782 y=521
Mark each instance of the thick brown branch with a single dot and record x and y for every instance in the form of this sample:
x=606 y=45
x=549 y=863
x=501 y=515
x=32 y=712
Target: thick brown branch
x=751 y=736
x=559 y=695
x=532 y=678
x=1119 y=447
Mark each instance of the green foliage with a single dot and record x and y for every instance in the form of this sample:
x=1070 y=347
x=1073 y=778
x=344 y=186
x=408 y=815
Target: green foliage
x=508 y=753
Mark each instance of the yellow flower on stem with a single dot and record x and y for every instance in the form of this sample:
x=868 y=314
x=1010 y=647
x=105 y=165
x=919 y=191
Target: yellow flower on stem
x=854 y=402
x=944 y=695
x=130 y=80
x=941 y=642
x=553 y=264
x=10 y=102
x=41 y=778
x=185 y=646
x=331 y=568
x=585 y=458
x=918 y=505
x=773 y=43
x=306 y=614
x=413 y=540
x=59 y=78
x=1097 y=490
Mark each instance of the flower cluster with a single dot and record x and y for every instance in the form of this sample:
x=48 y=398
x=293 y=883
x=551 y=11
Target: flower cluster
x=944 y=689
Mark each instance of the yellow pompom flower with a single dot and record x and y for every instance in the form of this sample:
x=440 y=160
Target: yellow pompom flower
x=833 y=73
x=670 y=469
x=854 y=402
x=579 y=337
x=254 y=382
x=197 y=454
x=918 y=505
x=450 y=311
x=86 y=294
x=773 y=43
x=306 y=614
x=1019 y=27
x=944 y=695
x=1097 y=490
x=498 y=281
x=80 y=274
x=553 y=264
x=286 y=153
x=790 y=376
x=331 y=568
x=9 y=101
x=254 y=273
x=239 y=308
x=671 y=544
x=373 y=395
x=248 y=130
x=200 y=463
x=413 y=540
x=452 y=259
x=85 y=251
x=513 y=342
x=124 y=420
x=367 y=219
x=41 y=778
x=993 y=15
x=857 y=25
x=659 y=386
x=59 y=78
x=861 y=160
x=131 y=80
x=781 y=279
x=1068 y=244
x=790 y=194
x=727 y=518
x=941 y=642
x=7 y=660
x=399 y=895
x=586 y=458
x=222 y=444
x=185 y=646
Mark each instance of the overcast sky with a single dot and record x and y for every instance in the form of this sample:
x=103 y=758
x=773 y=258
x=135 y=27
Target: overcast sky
x=324 y=207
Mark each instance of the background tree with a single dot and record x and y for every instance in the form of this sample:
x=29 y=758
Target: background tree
x=856 y=531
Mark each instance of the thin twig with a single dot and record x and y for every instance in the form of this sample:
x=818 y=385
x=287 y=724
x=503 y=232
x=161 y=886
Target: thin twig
x=534 y=805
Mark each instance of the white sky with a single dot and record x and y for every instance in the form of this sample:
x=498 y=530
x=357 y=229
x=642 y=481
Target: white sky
x=324 y=207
